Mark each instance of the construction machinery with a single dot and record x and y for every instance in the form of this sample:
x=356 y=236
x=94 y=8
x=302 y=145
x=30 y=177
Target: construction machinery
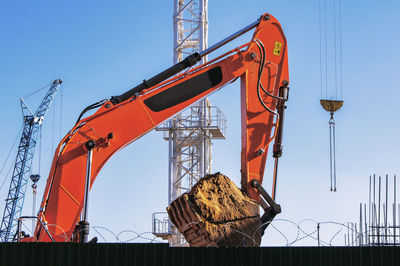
x=23 y=162
x=261 y=64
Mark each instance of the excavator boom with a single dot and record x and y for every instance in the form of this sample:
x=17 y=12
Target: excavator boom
x=263 y=68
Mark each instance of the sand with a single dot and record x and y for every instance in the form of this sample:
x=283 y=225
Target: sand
x=216 y=213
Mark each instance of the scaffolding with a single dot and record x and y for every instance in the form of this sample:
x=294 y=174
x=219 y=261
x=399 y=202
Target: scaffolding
x=379 y=222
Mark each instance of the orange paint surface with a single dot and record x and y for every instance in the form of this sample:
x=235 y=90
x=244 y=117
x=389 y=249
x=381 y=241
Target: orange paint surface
x=63 y=197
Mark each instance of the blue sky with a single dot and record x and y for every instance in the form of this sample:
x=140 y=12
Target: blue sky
x=103 y=48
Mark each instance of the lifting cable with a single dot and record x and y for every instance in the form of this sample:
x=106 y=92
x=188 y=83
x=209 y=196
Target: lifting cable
x=320 y=48
x=331 y=102
x=38 y=100
x=326 y=51
x=40 y=148
x=335 y=46
x=36 y=91
x=8 y=156
x=61 y=110
x=53 y=123
x=340 y=49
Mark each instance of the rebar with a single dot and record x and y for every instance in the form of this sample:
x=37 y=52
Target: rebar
x=379 y=208
x=386 y=207
x=373 y=231
x=394 y=208
x=360 y=236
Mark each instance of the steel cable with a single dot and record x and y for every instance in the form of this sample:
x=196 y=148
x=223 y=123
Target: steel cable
x=8 y=156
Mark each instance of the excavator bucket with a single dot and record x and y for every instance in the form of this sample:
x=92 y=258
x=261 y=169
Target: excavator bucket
x=216 y=213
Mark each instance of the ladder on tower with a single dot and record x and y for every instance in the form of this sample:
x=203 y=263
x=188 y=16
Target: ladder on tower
x=23 y=162
x=190 y=133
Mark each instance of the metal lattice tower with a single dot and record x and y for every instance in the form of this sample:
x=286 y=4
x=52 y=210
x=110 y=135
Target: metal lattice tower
x=23 y=162
x=190 y=133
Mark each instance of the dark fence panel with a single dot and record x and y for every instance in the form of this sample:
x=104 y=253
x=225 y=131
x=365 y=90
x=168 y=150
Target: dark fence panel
x=68 y=254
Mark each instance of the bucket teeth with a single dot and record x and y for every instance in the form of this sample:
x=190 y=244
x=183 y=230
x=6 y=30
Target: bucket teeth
x=201 y=225
x=186 y=221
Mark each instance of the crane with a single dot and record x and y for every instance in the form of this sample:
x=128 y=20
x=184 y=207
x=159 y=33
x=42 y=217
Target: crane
x=23 y=162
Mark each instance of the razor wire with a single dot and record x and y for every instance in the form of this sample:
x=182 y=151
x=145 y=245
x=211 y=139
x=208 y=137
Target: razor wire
x=298 y=230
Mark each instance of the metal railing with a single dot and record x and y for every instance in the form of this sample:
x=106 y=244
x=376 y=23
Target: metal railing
x=160 y=223
x=215 y=121
x=19 y=233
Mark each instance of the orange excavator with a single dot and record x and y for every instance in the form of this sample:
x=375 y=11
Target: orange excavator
x=262 y=66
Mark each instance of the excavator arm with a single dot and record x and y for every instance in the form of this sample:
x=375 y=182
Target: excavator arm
x=263 y=68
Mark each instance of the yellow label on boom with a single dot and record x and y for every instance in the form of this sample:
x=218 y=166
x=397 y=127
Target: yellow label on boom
x=277 y=48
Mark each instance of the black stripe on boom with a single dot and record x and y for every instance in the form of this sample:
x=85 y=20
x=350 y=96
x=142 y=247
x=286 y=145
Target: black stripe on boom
x=185 y=90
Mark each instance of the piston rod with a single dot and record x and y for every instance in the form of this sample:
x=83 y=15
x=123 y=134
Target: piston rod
x=84 y=224
x=189 y=61
x=230 y=38
x=278 y=147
